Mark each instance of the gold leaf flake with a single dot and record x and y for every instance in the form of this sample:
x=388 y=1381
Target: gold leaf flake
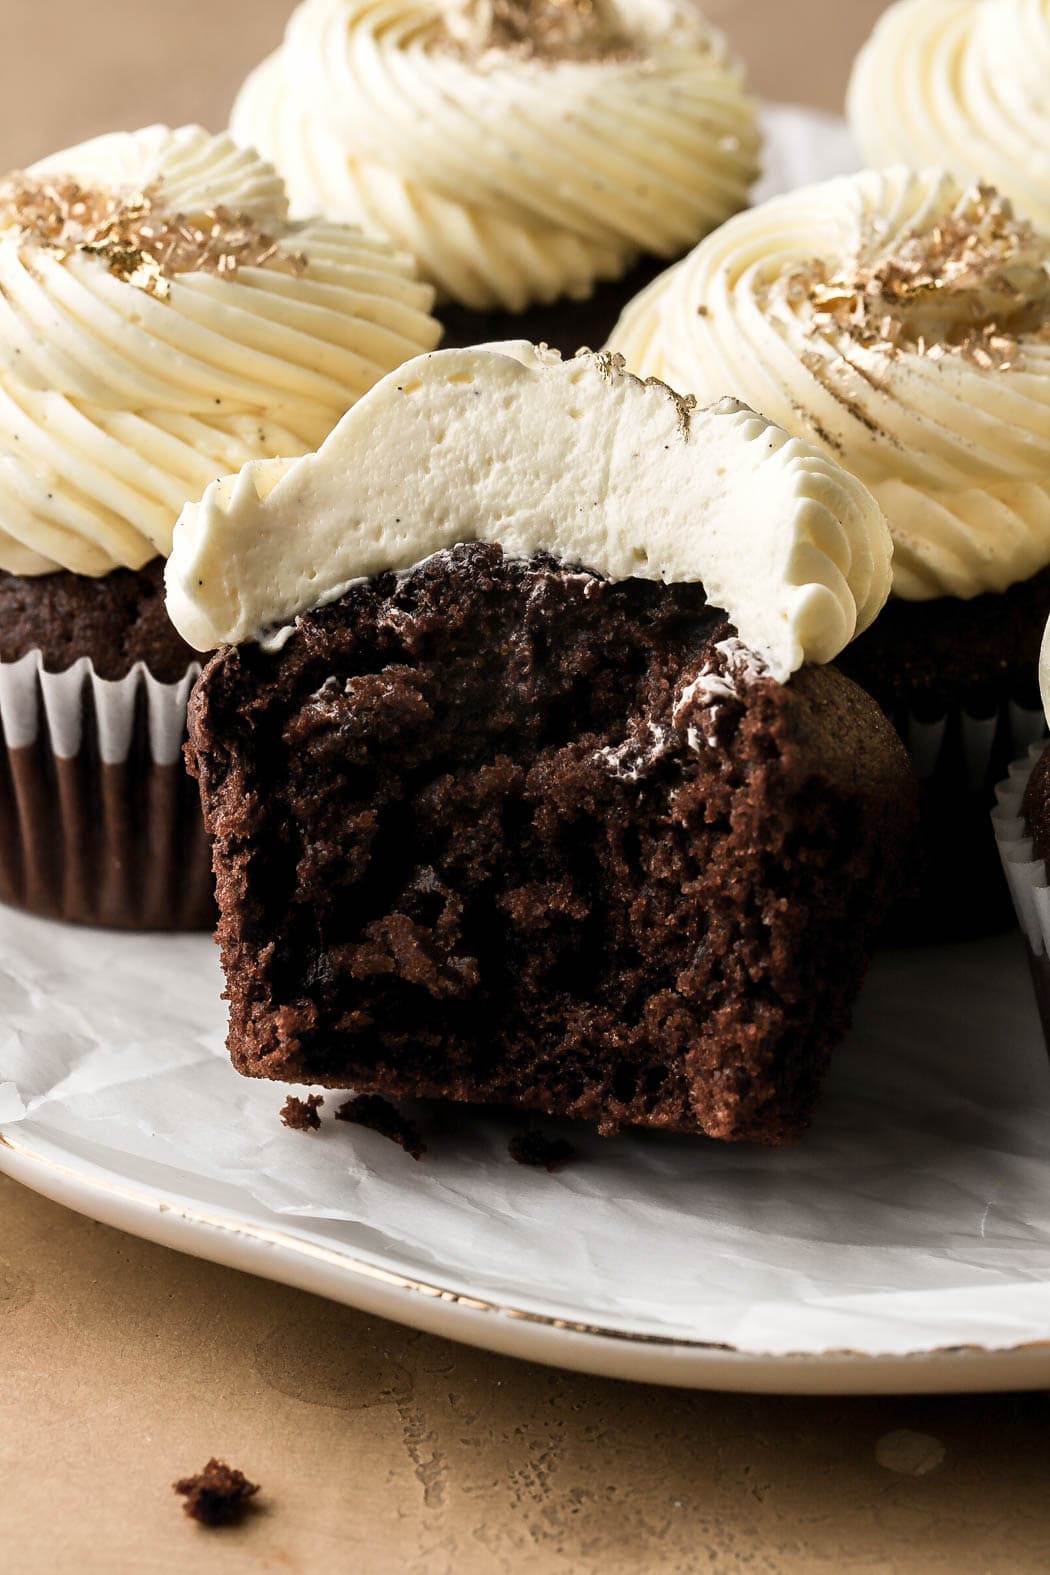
x=974 y=285
x=134 y=235
x=551 y=30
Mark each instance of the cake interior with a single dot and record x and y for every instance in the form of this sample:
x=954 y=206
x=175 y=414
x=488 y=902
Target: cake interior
x=503 y=831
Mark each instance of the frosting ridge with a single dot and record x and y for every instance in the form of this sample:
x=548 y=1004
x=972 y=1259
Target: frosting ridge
x=161 y=320
x=510 y=444
x=901 y=323
x=511 y=174
x=960 y=83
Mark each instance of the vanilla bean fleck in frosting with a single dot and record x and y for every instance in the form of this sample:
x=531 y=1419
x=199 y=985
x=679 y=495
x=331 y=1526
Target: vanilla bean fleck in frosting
x=508 y=443
x=901 y=321
x=162 y=320
x=522 y=150
x=961 y=84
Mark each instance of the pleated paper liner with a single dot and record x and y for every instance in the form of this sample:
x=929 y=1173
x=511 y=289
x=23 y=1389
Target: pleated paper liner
x=959 y=758
x=1026 y=875
x=99 y=821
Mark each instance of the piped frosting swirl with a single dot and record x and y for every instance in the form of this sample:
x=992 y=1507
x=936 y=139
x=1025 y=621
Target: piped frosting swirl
x=900 y=322
x=510 y=444
x=161 y=321
x=962 y=84
x=522 y=150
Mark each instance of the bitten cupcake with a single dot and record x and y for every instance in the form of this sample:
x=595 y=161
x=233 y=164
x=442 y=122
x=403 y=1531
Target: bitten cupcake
x=902 y=323
x=528 y=778
x=963 y=84
x=539 y=157
x=160 y=320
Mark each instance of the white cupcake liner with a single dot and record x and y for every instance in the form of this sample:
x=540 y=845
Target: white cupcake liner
x=99 y=822
x=1026 y=875
x=33 y=702
x=978 y=736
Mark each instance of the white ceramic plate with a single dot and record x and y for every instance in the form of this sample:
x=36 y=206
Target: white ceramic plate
x=243 y=1239
x=904 y=1246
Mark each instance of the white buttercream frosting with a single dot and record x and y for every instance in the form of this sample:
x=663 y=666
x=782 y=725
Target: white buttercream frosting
x=900 y=323
x=961 y=83
x=1044 y=672
x=511 y=444
x=128 y=382
x=513 y=174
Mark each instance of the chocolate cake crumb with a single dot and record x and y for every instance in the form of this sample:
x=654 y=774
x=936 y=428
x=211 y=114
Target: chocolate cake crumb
x=379 y=1115
x=535 y=1148
x=300 y=1115
x=217 y=1496
x=504 y=832
x=117 y=619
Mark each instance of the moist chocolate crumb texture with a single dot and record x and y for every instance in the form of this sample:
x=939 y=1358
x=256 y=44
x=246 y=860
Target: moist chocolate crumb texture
x=539 y=157
x=901 y=322
x=161 y=322
x=220 y=1495
x=528 y=778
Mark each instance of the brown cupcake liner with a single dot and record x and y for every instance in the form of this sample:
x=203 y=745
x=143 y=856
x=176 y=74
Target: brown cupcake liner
x=1026 y=875
x=99 y=821
x=959 y=759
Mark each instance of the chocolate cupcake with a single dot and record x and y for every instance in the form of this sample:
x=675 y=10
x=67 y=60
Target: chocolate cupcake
x=902 y=324
x=528 y=778
x=160 y=320
x=960 y=84
x=1021 y=820
x=541 y=159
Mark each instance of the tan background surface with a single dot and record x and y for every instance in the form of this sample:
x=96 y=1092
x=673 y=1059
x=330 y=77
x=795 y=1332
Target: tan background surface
x=381 y=1450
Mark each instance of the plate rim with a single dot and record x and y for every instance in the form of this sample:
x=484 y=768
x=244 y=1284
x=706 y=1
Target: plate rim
x=223 y=1236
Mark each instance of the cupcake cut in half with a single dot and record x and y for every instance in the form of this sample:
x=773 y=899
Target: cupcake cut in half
x=528 y=779
x=901 y=322
x=530 y=153
x=161 y=322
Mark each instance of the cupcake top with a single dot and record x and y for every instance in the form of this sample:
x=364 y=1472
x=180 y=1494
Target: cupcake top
x=900 y=322
x=520 y=149
x=162 y=321
x=963 y=84
x=510 y=444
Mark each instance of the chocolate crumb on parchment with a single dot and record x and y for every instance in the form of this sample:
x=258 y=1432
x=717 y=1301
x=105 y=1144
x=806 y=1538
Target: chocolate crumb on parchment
x=532 y=1147
x=379 y=1115
x=300 y=1115
x=217 y=1496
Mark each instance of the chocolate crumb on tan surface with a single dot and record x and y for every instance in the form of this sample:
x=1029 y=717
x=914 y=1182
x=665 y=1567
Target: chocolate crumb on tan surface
x=380 y=1116
x=301 y=1115
x=220 y=1495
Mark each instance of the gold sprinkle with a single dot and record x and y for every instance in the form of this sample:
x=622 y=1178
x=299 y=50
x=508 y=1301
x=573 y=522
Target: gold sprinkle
x=611 y=367
x=140 y=242
x=551 y=30
x=974 y=285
